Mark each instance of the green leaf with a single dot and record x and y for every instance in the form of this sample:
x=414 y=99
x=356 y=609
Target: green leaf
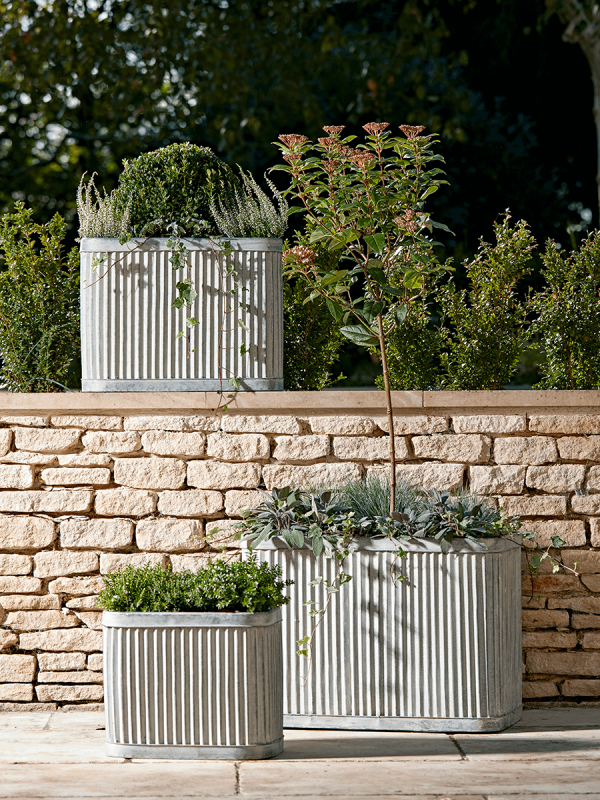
x=336 y=311
x=413 y=279
x=441 y=226
x=243 y=325
x=430 y=190
x=558 y=542
x=317 y=546
x=376 y=242
x=359 y=335
x=400 y=314
x=318 y=234
x=191 y=322
x=304 y=640
x=372 y=308
x=378 y=275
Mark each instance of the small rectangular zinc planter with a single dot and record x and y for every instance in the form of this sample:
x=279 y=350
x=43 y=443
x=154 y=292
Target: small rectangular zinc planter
x=440 y=651
x=193 y=685
x=129 y=326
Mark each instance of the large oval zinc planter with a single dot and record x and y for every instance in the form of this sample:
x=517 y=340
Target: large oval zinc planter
x=193 y=685
x=129 y=326
x=439 y=651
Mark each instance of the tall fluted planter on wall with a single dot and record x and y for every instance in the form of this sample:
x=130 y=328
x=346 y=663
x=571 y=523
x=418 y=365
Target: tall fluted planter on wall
x=438 y=651
x=129 y=325
x=193 y=685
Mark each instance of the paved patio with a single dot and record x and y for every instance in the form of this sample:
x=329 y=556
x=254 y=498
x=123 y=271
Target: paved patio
x=551 y=753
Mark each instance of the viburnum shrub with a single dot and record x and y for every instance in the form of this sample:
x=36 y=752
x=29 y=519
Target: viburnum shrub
x=366 y=203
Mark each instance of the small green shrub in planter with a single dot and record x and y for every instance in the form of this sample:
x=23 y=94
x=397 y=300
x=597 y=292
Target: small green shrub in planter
x=220 y=586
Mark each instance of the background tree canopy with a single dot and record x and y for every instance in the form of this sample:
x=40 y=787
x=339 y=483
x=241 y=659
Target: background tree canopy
x=86 y=83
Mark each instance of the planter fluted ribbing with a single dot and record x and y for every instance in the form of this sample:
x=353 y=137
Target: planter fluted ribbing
x=193 y=685
x=439 y=651
x=129 y=326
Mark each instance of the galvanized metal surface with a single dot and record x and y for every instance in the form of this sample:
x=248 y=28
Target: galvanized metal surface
x=193 y=685
x=129 y=326
x=439 y=651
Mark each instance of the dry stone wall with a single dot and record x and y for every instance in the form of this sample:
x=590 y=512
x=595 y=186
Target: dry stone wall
x=81 y=495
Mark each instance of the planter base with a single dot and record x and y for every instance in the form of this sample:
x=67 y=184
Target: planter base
x=414 y=724
x=233 y=753
x=250 y=385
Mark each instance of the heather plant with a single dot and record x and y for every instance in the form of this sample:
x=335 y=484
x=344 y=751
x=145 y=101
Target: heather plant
x=98 y=213
x=366 y=204
x=39 y=303
x=250 y=212
x=488 y=328
x=568 y=317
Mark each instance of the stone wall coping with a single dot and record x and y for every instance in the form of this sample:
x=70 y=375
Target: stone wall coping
x=329 y=401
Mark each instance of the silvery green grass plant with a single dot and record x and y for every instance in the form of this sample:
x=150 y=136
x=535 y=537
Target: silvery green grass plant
x=98 y=214
x=250 y=212
x=366 y=202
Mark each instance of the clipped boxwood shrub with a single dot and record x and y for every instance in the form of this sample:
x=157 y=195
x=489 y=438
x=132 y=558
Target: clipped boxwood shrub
x=169 y=190
x=220 y=586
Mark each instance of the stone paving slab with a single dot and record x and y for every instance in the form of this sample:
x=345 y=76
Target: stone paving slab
x=531 y=745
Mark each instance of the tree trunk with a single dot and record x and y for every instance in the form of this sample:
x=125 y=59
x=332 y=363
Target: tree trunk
x=390 y=415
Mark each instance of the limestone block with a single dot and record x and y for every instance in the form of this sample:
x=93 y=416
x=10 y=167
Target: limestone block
x=72 y=476
x=325 y=475
x=595 y=532
x=429 y=476
x=301 y=448
x=25 y=457
x=260 y=424
x=558 y=641
x=102 y=534
x=581 y=688
x=89 y=603
x=123 y=501
x=216 y=475
x=94 y=662
x=342 y=426
x=92 y=619
x=8 y=639
x=69 y=694
x=66 y=640
x=19 y=585
x=571 y=531
x=504 y=479
x=237 y=501
x=538 y=689
x=54 y=501
x=15 y=564
x=557 y=478
x=113 y=562
x=542 y=618
x=551 y=584
x=469 y=448
x=534 y=506
x=164 y=443
x=17 y=669
x=25 y=421
x=90 y=423
x=238 y=447
x=77 y=586
x=585 y=605
x=192 y=563
x=45 y=440
x=581 y=621
x=169 y=535
x=593 y=479
x=579 y=448
x=29 y=602
x=190 y=503
x=490 y=423
x=573 y=423
x=82 y=676
x=112 y=441
x=591 y=641
x=16 y=692
x=40 y=620
x=85 y=460
x=26 y=533
x=17 y=476
x=525 y=450
x=150 y=473
x=5 y=440
x=563 y=663
x=368 y=448
x=55 y=564
x=208 y=422
x=222 y=533
x=415 y=425
x=586 y=504
x=588 y=561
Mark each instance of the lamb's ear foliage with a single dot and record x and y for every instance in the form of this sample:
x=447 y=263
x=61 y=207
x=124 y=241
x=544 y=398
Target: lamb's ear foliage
x=220 y=586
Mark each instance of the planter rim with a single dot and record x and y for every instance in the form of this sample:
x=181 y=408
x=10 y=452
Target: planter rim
x=190 y=619
x=495 y=544
x=159 y=243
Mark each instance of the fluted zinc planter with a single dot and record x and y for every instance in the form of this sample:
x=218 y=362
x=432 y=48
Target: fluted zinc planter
x=440 y=651
x=129 y=326
x=193 y=685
